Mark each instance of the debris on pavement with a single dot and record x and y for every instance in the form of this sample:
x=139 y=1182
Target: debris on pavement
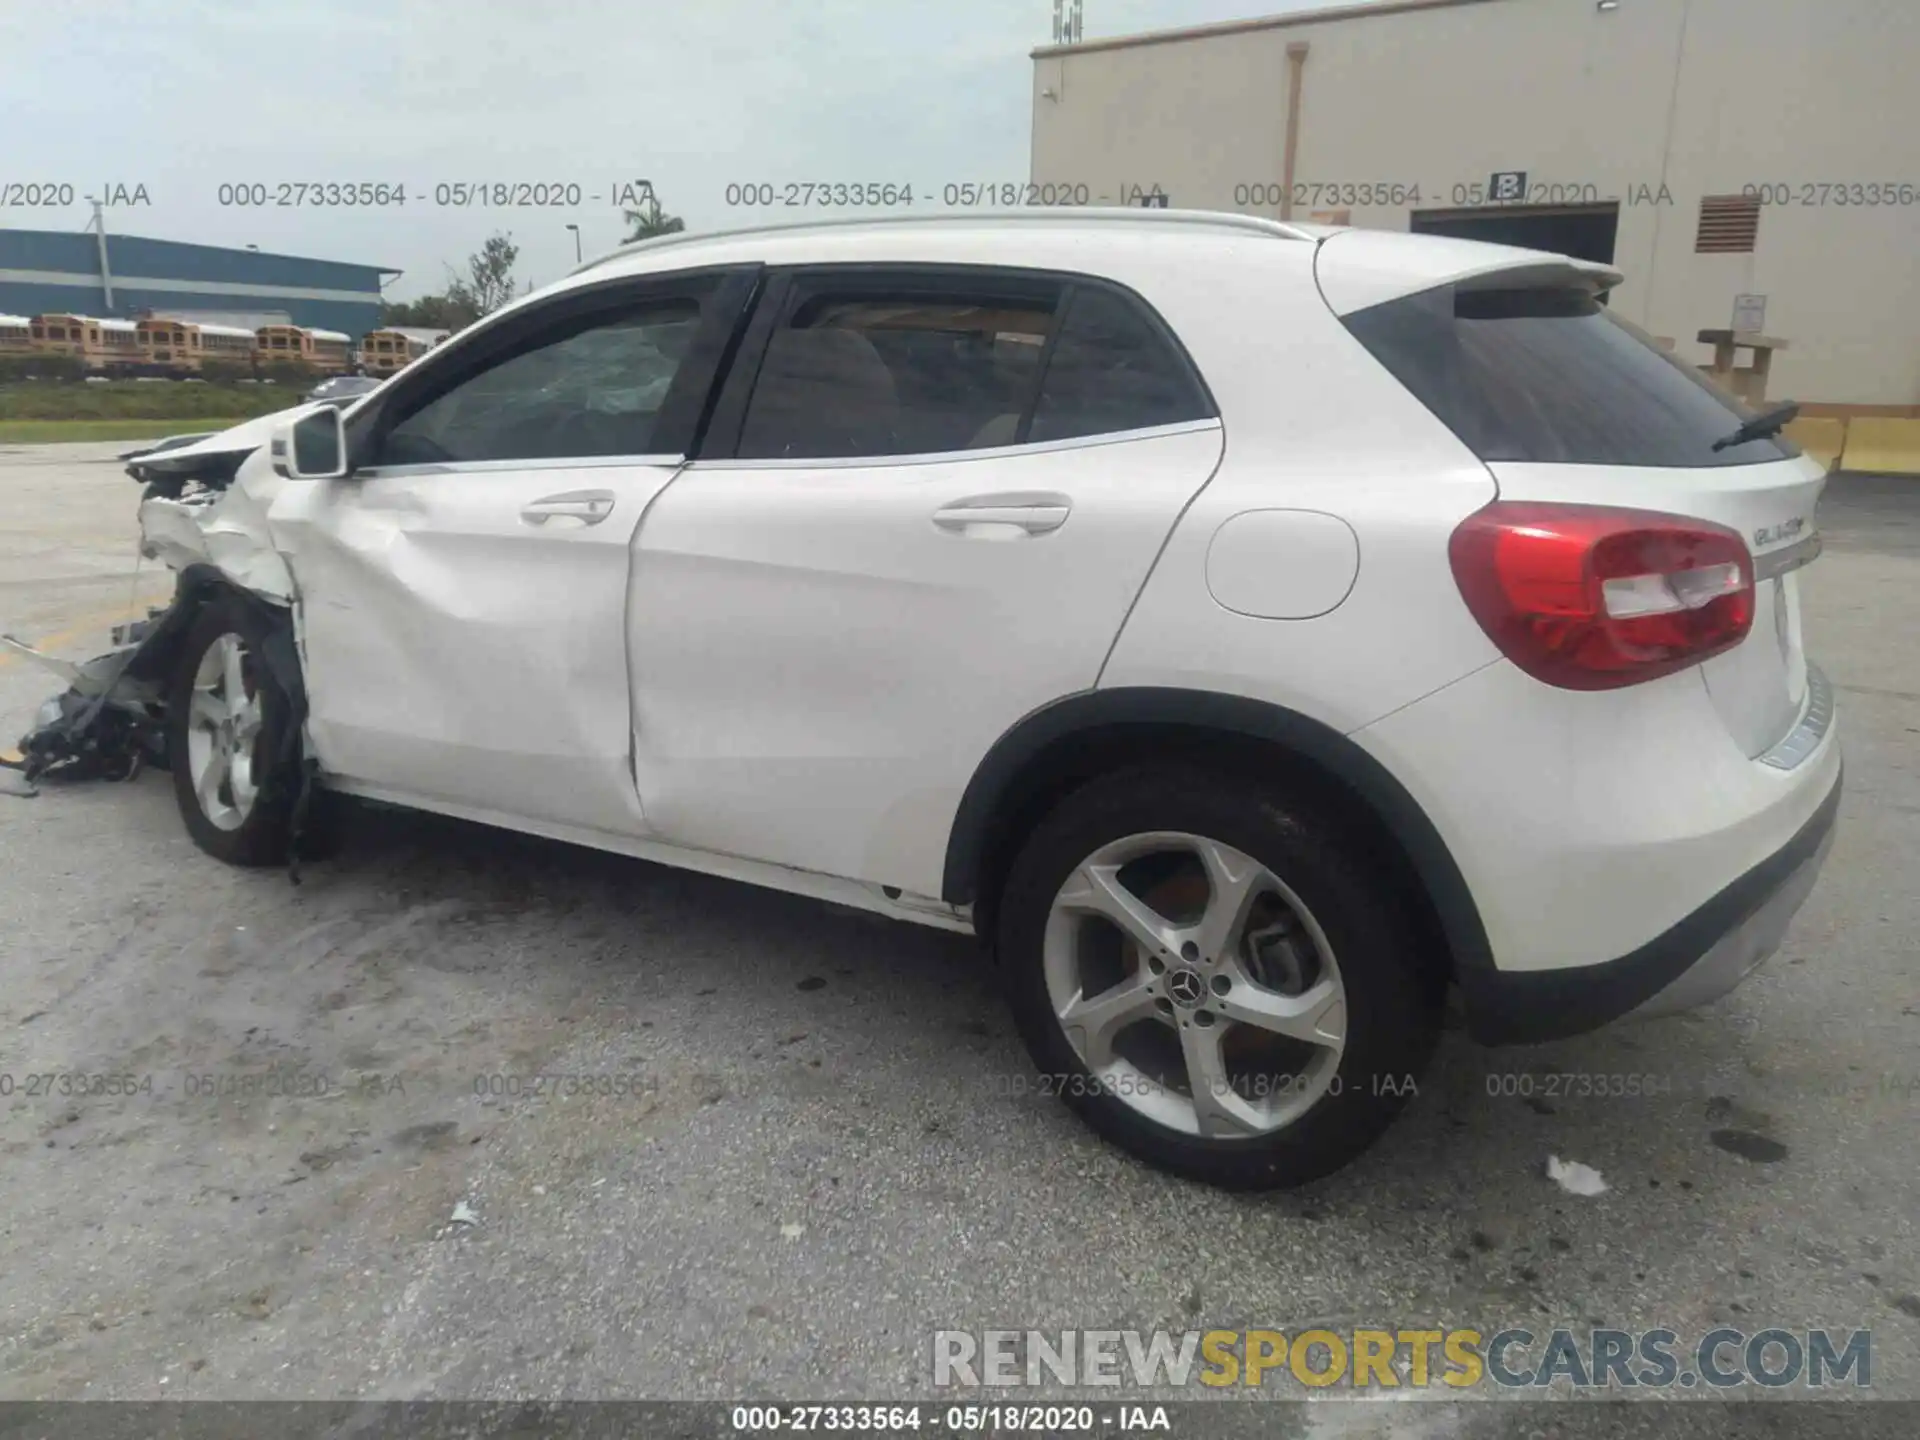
x=463 y=1214
x=108 y=721
x=1575 y=1178
x=792 y=1230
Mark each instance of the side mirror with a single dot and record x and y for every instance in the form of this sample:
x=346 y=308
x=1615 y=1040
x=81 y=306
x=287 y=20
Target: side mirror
x=314 y=447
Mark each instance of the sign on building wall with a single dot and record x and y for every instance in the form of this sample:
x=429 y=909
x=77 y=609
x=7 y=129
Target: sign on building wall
x=1507 y=186
x=1750 y=313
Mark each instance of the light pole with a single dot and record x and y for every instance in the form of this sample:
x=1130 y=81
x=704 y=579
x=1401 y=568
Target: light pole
x=576 y=243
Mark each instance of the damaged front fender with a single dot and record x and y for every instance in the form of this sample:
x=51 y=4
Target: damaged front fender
x=206 y=504
x=226 y=529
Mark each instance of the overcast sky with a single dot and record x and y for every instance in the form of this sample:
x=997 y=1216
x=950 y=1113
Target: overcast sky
x=181 y=96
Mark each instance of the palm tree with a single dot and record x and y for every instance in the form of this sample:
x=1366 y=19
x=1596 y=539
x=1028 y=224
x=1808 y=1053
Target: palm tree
x=650 y=220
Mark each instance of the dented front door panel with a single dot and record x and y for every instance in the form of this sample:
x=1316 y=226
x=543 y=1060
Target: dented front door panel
x=463 y=632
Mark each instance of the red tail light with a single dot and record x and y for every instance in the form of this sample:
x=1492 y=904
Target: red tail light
x=1588 y=597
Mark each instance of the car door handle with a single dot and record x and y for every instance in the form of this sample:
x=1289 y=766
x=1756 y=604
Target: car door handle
x=589 y=507
x=1037 y=515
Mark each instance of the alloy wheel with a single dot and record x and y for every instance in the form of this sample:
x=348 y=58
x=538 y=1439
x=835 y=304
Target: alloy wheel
x=1195 y=986
x=224 y=721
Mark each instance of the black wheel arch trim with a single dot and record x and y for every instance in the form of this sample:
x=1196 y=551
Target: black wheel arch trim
x=195 y=586
x=993 y=781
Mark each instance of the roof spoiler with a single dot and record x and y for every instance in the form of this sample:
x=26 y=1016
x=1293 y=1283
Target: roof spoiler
x=1357 y=269
x=1562 y=270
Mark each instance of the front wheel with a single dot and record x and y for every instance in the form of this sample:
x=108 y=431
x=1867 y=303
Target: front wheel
x=1215 y=977
x=234 y=775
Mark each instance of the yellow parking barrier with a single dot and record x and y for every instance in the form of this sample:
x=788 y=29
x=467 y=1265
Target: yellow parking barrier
x=1882 y=445
x=1823 y=439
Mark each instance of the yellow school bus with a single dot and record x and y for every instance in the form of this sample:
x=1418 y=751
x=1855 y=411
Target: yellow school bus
x=385 y=352
x=283 y=345
x=180 y=347
x=16 y=335
x=382 y=352
x=225 y=344
x=167 y=347
x=332 y=352
x=327 y=351
x=107 y=347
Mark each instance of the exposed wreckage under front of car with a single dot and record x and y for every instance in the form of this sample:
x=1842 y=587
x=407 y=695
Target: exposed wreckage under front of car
x=203 y=513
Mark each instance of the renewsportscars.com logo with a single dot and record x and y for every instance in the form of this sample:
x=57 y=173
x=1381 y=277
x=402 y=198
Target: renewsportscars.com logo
x=1362 y=1359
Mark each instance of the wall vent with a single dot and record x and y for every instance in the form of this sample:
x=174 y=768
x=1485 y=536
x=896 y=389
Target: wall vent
x=1729 y=225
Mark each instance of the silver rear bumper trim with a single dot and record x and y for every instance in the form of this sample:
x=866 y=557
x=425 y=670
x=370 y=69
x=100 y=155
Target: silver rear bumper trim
x=1815 y=721
x=1740 y=952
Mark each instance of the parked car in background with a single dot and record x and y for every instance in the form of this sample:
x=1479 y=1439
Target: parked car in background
x=338 y=390
x=1247 y=629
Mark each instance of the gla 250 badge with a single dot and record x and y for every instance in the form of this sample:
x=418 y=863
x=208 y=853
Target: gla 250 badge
x=1785 y=530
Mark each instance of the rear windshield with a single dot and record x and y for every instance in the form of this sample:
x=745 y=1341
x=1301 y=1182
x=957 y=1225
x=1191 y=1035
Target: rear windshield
x=1550 y=374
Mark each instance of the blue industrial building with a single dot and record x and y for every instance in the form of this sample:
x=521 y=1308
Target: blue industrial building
x=127 y=276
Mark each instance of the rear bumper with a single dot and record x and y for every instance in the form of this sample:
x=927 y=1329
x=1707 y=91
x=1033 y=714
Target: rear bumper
x=1699 y=959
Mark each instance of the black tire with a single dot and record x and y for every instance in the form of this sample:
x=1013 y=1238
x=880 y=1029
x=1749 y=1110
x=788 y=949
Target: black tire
x=1392 y=1002
x=261 y=837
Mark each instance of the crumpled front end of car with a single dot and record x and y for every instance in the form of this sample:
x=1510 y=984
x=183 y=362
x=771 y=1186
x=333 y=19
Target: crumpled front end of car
x=203 y=513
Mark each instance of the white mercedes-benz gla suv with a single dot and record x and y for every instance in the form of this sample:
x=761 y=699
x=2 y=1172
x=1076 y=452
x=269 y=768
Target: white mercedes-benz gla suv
x=1247 y=629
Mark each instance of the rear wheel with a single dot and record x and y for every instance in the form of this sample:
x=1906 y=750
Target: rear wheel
x=227 y=723
x=1214 y=977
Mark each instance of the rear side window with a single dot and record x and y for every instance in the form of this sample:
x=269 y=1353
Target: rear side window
x=920 y=371
x=1549 y=374
x=932 y=362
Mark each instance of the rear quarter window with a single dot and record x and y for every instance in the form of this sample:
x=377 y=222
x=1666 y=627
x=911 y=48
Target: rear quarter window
x=1549 y=374
x=1112 y=370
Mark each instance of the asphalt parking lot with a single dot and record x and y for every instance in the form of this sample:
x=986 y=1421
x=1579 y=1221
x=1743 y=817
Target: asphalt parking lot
x=818 y=1150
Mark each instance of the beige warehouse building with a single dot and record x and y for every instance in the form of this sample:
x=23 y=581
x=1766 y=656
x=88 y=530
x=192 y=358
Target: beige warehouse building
x=1763 y=154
